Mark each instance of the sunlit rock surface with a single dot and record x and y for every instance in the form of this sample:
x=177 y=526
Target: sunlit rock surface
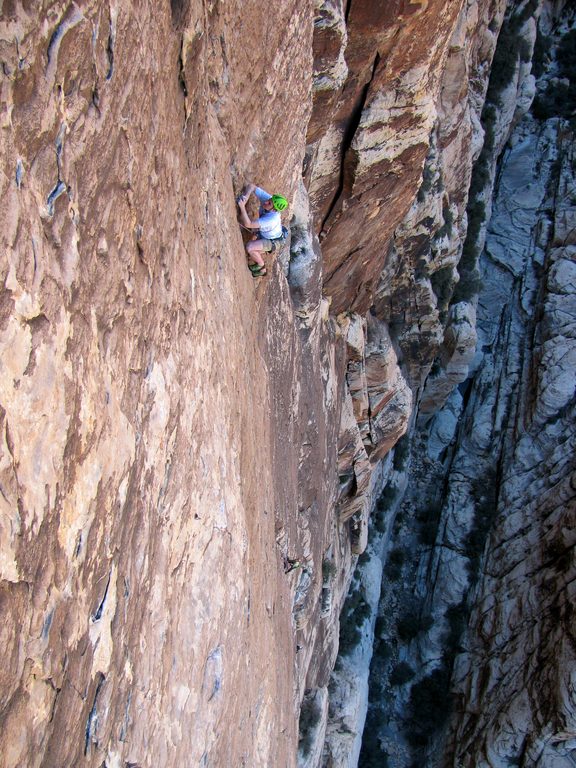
x=173 y=432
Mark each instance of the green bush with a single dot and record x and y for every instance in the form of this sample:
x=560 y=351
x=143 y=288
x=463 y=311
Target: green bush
x=458 y=616
x=309 y=718
x=469 y=285
x=427 y=181
x=379 y=627
x=401 y=674
x=364 y=557
x=350 y=636
x=428 y=518
x=328 y=570
x=566 y=55
x=372 y=755
x=442 y=282
x=430 y=706
x=412 y=623
x=484 y=494
x=375 y=691
x=383 y=650
x=559 y=99
x=378 y=524
x=553 y=102
x=476 y=217
x=354 y=613
x=511 y=47
x=386 y=498
x=448 y=217
x=393 y=567
x=401 y=453
x=541 y=55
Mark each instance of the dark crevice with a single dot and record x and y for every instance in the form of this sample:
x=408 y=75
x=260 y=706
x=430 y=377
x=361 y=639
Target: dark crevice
x=110 y=52
x=180 y=11
x=100 y=610
x=92 y=721
x=126 y=721
x=58 y=190
x=54 y=39
x=347 y=12
x=181 y=73
x=349 y=163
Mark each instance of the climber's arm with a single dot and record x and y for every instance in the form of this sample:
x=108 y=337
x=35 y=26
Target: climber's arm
x=245 y=219
x=242 y=200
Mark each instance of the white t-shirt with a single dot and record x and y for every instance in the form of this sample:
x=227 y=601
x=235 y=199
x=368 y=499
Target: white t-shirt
x=270 y=222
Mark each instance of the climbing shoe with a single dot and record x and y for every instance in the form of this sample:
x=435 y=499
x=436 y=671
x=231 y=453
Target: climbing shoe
x=257 y=270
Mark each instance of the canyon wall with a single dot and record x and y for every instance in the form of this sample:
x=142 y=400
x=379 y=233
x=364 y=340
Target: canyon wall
x=174 y=430
x=475 y=591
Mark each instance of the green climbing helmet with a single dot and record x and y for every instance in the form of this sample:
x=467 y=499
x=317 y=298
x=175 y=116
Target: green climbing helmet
x=279 y=202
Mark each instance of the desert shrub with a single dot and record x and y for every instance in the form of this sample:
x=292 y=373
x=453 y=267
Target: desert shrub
x=371 y=754
x=566 y=55
x=446 y=228
x=428 y=518
x=484 y=494
x=442 y=282
x=354 y=613
x=488 y=120
x=364 y=558
x=383 y=650
x=458 y=616
x=469 y=285
x=375 y=691
x=476 y=218
x=328 y=570
x=401 y=674
x=430 y=706
x=553 y=102
x=393 y=567
x=378 y=524
x=412 y=623
x=350 y=636
x=541 y=55
x=427 y=181
x=511 y=47
x=396 y=556
x=503 y=64
x=383 y=504
x=386 y=498
x=480 y=175
x=379 y=627
x=401 y=453
x=309 y=718
x=559 y=99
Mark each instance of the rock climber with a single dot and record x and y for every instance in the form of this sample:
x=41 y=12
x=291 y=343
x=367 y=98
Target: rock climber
x=291 y=565
x=271 y=234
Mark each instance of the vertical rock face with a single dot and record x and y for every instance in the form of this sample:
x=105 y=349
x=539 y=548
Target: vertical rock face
x=172 y=431
x=144 y=601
